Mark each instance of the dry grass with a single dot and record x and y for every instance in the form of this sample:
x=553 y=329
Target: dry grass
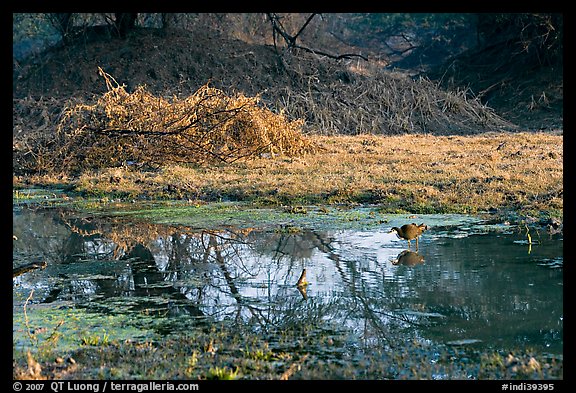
x=414 y=173
x=370 y=100
x=143 y=128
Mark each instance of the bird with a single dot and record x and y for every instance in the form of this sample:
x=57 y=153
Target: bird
x=409 y=232
x=302 y=280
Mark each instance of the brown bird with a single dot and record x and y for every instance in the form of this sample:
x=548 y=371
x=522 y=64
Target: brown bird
x=409 y=232
x=302 y=280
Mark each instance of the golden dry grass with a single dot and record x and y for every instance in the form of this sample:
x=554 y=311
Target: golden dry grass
x=413 y=173
x=122 y=127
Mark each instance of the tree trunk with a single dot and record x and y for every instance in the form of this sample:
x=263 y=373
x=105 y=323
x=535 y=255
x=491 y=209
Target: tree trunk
x=125 y=22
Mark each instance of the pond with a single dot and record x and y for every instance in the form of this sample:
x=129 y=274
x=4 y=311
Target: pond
x=139 y=272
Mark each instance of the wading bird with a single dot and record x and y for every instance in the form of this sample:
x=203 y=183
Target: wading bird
x=409 y=232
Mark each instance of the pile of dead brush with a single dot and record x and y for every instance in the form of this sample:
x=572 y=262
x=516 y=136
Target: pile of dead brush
x=370 y=100
x=123 y=128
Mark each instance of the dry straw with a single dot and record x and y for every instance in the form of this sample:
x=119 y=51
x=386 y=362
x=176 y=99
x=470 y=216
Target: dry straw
x=370 y=100
x=141 y=128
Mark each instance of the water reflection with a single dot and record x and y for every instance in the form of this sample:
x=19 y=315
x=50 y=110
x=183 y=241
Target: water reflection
x=484 y=288
x=408 y=258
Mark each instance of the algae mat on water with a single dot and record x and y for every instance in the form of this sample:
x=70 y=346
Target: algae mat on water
x=48 y=329
x=241 y=215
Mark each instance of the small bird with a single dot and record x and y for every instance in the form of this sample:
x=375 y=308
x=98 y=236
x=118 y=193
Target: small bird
x=302 y=280
x=409 y=232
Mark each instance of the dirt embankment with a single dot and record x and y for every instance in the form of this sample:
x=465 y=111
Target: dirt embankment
x=332 y=97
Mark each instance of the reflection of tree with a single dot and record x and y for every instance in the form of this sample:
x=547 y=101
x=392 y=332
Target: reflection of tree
x=204 y=273
x=37 y=234
x=248 y=277
x=287 y=246
x=148 y=281
x=360 y=306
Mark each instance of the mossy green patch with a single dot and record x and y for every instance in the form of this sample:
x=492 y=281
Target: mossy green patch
x=40 y=196
x=241 y=215
x=50 y=330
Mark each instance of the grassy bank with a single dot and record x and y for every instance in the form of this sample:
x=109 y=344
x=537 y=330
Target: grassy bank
x=226 y=354
x=506 y=172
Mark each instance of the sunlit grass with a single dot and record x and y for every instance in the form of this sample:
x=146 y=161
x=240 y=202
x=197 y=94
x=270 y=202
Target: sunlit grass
x=96 y=339
x=408 y=173
x=222 y=373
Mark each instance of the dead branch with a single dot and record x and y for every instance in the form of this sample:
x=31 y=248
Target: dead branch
x=278 y=29
x=336 y=57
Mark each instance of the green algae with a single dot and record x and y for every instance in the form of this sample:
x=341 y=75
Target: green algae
x=244 y=215
x=49 y=329
x=40 y=197
x=201 y=215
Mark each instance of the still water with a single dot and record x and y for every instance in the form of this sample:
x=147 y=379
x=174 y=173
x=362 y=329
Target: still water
x=470 y=283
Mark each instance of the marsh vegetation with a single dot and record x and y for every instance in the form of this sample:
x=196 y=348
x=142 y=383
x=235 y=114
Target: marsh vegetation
x=175 y=175
x=211 y=292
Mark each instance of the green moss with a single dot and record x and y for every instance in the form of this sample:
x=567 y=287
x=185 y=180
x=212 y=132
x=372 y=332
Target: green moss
x=46 y=330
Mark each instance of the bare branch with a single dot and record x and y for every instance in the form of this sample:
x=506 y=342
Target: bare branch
x=304 y=26
x=337 y=57
x=278 y=29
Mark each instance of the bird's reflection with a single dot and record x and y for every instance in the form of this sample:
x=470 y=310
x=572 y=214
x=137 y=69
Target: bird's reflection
x=302 y=289
x=408 y=258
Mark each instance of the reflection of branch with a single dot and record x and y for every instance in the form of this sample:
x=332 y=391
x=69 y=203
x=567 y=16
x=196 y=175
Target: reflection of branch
x=370 y=317
x=280 y=246
x=357 y=292
x=233 y=289
x=213 y=244
x=296 y=366
x=233 y=242
x=216 y=234
x=324 y=245
x=18 y=271
x=401 y=317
